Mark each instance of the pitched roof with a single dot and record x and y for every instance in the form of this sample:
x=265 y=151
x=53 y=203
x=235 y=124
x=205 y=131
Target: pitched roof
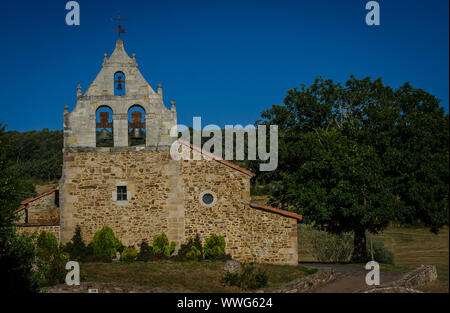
x=278 y=211
x=218 y=159
x=26 y=201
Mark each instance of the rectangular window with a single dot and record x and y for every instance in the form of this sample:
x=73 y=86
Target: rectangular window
x=121 y=193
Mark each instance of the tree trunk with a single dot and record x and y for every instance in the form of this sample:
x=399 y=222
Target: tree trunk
x=359 y=250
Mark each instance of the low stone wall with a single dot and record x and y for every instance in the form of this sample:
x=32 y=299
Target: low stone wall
x=31 y=228
x=417 y=278
x=102 y=288
x=305 y=284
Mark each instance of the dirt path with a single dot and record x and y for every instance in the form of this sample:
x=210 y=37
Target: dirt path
x=352 y=278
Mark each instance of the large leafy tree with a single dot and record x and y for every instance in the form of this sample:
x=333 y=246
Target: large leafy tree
x=356 y=156
x=16 y=250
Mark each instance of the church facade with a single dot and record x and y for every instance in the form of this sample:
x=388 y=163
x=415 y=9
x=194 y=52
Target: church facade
x=137 y=189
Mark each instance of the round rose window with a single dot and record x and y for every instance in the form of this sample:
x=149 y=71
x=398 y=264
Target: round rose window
x=207 y=198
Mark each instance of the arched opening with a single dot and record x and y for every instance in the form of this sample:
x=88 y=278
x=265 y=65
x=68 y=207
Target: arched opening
x=104 y=127
x=119 y=84
x=136 y=126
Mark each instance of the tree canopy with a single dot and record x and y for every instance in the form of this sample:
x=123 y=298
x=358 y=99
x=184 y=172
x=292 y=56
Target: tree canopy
x=355 y=156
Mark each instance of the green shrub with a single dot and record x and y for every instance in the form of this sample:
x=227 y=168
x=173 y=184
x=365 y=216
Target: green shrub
x=55 y=270
x=192 y=250
x=332 y=248
x=161 y=247
x=106 y=243
x=76 y=248
x=52 y=272
x=194 y=254
x=145 y=252
x=247 y=278
x=381 y=254
x=17 y=259
x=129 y=254
x=46 y=246
x=214 y=247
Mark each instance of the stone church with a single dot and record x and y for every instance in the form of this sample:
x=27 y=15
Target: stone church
x=134 y=186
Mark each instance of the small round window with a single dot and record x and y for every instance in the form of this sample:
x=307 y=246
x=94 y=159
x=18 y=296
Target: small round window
x=207 y=198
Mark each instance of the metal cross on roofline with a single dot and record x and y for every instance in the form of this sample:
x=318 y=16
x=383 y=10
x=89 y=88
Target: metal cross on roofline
x=119 y=29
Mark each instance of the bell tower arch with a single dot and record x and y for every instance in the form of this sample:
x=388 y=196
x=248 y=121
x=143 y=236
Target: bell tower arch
x=120 y=86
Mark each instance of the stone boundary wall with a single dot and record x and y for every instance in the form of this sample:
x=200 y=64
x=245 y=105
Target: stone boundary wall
x=417 y=278
x=32 y=228
x=102 y=288
x=305 y=284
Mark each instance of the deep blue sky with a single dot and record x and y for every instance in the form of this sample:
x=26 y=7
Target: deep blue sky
x=225 y=61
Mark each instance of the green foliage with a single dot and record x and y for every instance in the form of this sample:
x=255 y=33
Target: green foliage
x=17 y=251
x=46 y=246
x=145 y=252
x=261 y=190
x=381 y=254
x=36 y=155
x=76 y=248
x=105 y=243
x=355 y=156
x=332 y=248
x=161 y=246
x=13 y=187
x=194 y=254
x=214 y=247
x=192 y=250
x=129 y=254
x=53 y=272
x=17 y=257
x=248 y=278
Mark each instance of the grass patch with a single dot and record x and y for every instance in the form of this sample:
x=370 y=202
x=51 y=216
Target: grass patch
x=412 y=247
x=181 y=276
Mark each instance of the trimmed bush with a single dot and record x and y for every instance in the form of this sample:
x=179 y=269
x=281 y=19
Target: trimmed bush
x=192 y=250
x=330 y=248
x=105 y=243
x=129 y=254
x=46 y=246
x=381 y=254
x=161 y=247
x=194 y=254
x=248 y=278
x=76 y=248
x=214 y=247
x=145 y=252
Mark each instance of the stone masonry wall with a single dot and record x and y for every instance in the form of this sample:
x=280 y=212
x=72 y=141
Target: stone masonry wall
x=250 y=234
x=165 y=196
x=43 y=210
x=87 y=187
x=54 y=229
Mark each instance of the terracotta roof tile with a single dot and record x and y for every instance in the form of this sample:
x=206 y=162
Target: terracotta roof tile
x=275 y=210
x=26 y=201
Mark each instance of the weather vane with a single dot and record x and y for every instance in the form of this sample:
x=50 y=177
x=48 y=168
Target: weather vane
x=119 y=29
